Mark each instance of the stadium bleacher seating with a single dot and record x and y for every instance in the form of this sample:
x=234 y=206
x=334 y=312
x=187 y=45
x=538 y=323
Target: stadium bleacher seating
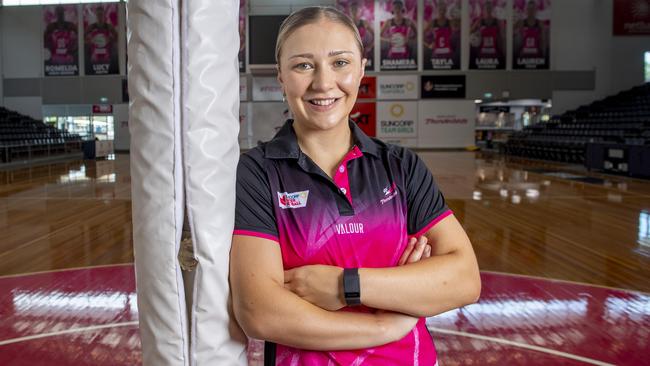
x=24 y=138
x=619 y=120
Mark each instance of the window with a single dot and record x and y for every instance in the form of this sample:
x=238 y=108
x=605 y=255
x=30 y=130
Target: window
x=647 y=67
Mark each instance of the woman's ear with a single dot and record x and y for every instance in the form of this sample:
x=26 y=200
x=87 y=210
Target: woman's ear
x=364 y=61
x=277 y=68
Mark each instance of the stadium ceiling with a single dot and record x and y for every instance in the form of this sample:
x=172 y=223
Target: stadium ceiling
x=53 y=2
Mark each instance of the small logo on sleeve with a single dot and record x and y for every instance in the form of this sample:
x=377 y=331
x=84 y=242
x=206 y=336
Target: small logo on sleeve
x=389 y=193
x=293 y=200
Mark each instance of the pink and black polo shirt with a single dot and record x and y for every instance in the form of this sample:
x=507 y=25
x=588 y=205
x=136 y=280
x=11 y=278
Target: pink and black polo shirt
x=380 y=196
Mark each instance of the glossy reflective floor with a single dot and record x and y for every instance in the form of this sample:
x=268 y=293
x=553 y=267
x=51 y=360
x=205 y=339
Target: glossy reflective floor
x=525 y=218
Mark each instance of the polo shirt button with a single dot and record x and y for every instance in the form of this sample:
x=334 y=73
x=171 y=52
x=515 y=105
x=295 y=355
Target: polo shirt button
x=343 y=190
x=341 y=169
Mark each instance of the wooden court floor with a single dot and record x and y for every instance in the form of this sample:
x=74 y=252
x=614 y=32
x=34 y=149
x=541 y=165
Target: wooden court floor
x=523 y=217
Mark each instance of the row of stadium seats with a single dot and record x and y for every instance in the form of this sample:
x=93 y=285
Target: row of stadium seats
x=620 y=119
x=23 y=138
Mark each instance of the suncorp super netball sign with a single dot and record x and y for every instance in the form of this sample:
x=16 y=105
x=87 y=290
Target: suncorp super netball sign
x=397 y=87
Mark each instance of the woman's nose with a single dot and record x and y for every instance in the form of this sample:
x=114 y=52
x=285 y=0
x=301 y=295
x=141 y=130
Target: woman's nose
x=324 y=79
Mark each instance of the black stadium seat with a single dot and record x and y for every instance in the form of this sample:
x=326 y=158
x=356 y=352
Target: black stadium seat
x=23 y=138
x=622 y=119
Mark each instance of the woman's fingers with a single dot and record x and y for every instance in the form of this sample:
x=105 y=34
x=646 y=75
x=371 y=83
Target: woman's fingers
x=418 y=251
x=407 y=251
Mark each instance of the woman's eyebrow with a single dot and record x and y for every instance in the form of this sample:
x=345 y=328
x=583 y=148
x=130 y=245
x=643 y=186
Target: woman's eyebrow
x=310 y=55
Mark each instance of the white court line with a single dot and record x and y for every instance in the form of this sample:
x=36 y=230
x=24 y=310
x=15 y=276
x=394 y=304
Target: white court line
x=67 y=331
x=568 y=282
x=65 y=269
x=521 y=345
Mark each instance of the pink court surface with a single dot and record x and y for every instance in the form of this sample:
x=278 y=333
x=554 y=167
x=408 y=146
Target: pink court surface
x=89 y=316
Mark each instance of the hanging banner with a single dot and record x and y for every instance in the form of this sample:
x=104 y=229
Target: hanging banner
x=397 y=87
x=367 y=88
x=487 y=34
x=398 y=21
x=266 y=88
x=243 y=88
x=100 y=39
x=446 y=124
x=441 y=34
x=364 y=115
x=266 y=119
x=363 y=14
x=397 y=123
x=531 y=34
x=631 y=17
x=60 y=39
x=242 y=36
x=245 y=137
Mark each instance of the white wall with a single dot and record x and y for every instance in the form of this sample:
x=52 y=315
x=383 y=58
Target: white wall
x=582 y=39
x=29 y=106
x=22 y=41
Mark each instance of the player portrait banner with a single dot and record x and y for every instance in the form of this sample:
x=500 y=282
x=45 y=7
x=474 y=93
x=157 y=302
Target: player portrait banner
x=398 y=34
x=441 y=34
x=100 y=39
x=363 y=14
x=487 y=34
x=60 y=39
x=242 y=36
x=631 y=17
x=531 y=44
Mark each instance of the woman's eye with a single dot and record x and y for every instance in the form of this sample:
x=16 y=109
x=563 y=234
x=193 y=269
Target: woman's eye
x=303 y=66
x=341 y=63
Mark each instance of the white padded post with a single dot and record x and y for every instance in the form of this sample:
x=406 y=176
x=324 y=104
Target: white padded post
x=210 y=119
x=184 y=89
x=157 y=178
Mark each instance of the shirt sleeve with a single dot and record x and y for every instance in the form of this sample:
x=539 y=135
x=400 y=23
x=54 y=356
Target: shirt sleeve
x=426 y=205
x=254 y=214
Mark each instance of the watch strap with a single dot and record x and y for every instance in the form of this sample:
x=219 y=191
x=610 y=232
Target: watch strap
x=351 y=286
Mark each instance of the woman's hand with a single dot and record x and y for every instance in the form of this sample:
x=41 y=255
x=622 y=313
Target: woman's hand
x=322 y=285
x=416 y=250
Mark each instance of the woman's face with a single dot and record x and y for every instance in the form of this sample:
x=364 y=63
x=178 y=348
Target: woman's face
x=320 y=71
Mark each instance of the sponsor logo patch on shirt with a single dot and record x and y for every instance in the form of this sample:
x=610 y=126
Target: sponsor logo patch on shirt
x=389 y=193
x=293 y=200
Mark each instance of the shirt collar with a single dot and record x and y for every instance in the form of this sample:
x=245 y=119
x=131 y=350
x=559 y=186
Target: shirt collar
x=284 y=144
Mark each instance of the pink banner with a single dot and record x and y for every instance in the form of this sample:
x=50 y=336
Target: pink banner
x=242 y=35
x=487 y=34
x=60 y=40
x=441 y=34
x=398 y=21
x=363 y=14
x=100 y=39
x=532 y=21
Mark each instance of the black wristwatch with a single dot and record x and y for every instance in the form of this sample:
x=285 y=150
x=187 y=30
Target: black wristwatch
x=351 y=286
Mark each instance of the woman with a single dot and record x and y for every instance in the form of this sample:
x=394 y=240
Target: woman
x=366 y=32
x=325 y=215
x=397 y=33
x=530 y=36
x=488 y=31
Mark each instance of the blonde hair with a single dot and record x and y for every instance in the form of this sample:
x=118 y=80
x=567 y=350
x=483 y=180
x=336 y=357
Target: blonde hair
x=310 y=15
